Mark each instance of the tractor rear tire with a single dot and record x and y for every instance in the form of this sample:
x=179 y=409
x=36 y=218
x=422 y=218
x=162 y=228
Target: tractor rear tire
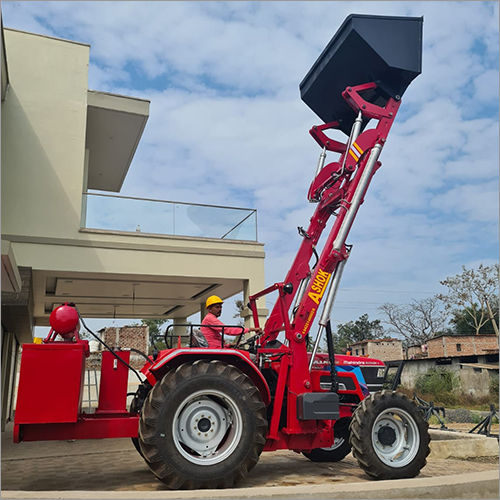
x=389 y=436
x=203 y=426
x=338 y=451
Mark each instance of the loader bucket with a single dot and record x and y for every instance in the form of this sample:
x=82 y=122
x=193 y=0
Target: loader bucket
x=386 y=50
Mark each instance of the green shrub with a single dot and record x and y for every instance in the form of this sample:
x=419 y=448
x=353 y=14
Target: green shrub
x=438 y=382
x=494 y=384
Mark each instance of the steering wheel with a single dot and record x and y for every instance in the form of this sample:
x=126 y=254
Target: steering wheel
x=248 y=341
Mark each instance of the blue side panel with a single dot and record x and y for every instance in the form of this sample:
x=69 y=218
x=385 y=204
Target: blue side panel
x=359 y=375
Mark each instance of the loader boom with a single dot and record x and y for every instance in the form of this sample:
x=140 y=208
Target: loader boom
x=339 y=189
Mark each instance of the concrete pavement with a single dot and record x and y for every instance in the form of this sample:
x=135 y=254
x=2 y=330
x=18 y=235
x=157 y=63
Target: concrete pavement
x=113 y=469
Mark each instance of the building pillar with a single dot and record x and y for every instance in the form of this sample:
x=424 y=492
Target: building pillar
x=10 y=350
x=262 y=311
x=203 y=311
x=180 y=331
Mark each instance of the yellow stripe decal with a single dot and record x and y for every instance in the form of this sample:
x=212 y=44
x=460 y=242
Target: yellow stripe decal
x=358 y=148
x=353 y=155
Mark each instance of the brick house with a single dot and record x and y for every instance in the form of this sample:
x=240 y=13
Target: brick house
x=417 y=351
x=126 y=337
x=387 y=349
x=461 y=345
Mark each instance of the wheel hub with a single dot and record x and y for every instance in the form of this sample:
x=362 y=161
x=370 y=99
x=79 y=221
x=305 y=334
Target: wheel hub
x=204 y=424
x=207 y=427
x=386 y=435
x=395 y=437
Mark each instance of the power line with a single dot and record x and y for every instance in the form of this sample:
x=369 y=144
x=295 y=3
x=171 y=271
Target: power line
x=379 y=290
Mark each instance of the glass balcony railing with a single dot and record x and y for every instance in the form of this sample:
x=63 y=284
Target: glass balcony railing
x=129 y=214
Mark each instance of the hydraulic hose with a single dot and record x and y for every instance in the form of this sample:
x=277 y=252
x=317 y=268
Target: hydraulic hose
x=109 y=348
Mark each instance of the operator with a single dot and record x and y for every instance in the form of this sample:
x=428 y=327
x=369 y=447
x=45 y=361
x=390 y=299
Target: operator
x=210 y=323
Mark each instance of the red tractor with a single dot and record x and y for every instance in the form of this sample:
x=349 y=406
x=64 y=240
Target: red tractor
x=202 y=416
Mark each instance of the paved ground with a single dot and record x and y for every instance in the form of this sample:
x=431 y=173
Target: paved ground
x=114 y=465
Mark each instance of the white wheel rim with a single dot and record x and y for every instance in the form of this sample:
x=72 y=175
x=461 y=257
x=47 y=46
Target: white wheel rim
x=207 y=427
x=395 y=437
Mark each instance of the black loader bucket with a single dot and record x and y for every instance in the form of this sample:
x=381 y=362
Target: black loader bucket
x=386 y=50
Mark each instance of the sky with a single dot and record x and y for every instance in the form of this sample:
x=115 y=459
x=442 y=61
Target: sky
x=227 y=127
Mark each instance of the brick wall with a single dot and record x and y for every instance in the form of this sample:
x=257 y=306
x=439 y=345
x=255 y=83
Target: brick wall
x=461 y=345
x=417 y=352
x=132 y=337
x=386 y=350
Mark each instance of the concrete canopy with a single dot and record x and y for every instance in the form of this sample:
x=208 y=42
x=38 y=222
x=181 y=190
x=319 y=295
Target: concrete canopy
x=114 y=127
x=122 y=296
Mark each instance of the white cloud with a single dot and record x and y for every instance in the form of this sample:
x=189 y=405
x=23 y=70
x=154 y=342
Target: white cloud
x=486 y=86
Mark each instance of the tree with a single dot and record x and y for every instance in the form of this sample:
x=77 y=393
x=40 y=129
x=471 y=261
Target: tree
x=474 y=291
x=155 y=332
x=240 y=308
x=461 y=321
x=416 y=322
x=355 y=331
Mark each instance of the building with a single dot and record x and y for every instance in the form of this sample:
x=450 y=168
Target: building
x=66 y=233
x=417 y=351
x=133 y=337
x=472 y=358
x=474 y=372
x=387 y=349
x=461 y=345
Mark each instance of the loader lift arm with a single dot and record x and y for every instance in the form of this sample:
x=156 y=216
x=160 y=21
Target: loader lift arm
x=338 y=189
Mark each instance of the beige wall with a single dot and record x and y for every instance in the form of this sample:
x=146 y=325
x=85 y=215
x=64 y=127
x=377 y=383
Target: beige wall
x=386 y=351
x=43 y=135
x=380 y=349
x=473 y=380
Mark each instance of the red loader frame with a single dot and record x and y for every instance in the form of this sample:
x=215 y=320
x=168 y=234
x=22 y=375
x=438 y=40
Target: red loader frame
x=339 y=189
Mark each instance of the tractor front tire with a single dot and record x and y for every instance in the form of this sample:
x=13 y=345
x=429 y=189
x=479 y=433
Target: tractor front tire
x=340 y=448
x=203 y=426
x=389 y=436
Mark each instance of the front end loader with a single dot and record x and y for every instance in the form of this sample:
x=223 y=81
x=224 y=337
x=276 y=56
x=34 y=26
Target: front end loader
x=202 y=416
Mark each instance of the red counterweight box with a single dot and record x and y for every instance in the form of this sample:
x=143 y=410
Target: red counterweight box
x=50 y=382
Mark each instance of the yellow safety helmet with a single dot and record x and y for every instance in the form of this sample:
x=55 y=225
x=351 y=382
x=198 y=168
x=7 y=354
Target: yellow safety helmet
x=213 y=299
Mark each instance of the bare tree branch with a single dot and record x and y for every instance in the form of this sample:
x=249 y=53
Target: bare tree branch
x=416 y=322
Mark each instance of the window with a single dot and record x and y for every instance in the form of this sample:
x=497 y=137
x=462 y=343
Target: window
x=459 y=347
x=443 y=361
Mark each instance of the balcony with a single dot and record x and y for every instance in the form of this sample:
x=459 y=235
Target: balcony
x=161 y=217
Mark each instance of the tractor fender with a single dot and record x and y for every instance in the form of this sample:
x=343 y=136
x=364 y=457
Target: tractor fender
x=233 y=357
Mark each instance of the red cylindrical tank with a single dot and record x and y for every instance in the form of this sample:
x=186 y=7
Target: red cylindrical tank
x=64 y=320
